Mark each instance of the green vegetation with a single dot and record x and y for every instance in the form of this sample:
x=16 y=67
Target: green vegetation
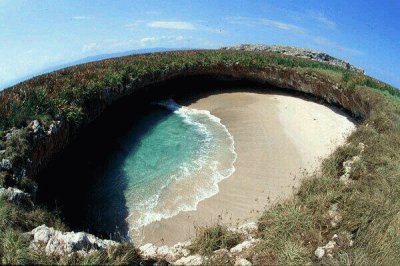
x=67 y=93
x=209 y=239
x=291 y=230
x=15 y=220
x=124 y=254
x=368 y=205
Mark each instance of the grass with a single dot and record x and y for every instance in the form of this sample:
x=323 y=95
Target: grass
x=291 y=230
x=67 y=93
x=209 y=239
x=16 y=220
x=124 y=254
x=369 y=205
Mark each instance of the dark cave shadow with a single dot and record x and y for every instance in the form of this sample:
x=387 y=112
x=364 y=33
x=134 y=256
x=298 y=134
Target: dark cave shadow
x=89 y=170
x=67 y=183
x=204 y=86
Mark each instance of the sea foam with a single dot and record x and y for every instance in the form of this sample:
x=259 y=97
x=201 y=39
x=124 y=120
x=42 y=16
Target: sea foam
x=194 y=181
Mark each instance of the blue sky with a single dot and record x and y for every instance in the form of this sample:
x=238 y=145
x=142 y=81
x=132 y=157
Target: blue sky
x=42 y=33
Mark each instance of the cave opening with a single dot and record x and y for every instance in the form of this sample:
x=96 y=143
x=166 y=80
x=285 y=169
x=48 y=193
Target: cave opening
x=65 y=182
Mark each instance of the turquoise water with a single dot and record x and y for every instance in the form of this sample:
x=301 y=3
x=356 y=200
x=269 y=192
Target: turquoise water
x=170 y=161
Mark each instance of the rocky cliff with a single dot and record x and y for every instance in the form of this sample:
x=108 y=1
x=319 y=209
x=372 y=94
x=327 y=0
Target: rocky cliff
x=298 y=52
x=46 y=142
x=39 y=141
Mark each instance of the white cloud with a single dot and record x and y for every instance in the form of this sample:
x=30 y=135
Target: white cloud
x=163 y=39
x=176 y=25
x=112 y=45
x=81 y=18
x=266 y=22
x=329 y=43
x=134 y=24
x=321 y=18
x=146 y=40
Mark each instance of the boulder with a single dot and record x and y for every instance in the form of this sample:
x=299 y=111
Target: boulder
x=297 y=52
x=35 y=126
x=334 y=215
x=193 y=260
x=53 y=242
x=151 y=251
x=5 y=164
x=319 y=252
x=248 y=229
x=148 y=251
x=242 y=262
x=328 y=249
x=53 y=128
x=16 y=196
x=244 y=245
x=182 y=248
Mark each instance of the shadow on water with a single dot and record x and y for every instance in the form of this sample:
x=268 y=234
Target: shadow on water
x=86 y=182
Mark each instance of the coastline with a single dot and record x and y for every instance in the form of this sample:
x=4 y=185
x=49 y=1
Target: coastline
x=272 y=139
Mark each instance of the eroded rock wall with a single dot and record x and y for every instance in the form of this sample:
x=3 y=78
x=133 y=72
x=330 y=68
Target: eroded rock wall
x=47 y=142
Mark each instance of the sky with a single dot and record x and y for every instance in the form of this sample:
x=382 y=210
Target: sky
x=38 y=34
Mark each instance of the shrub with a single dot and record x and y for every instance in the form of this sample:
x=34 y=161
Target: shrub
x=17 y=145
x=209 y=239
x=13 y=248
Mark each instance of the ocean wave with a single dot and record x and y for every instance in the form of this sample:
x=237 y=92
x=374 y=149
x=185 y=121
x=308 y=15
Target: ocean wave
x=206 y=171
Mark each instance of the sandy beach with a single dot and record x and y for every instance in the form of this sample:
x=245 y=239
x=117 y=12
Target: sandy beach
x=276 y=138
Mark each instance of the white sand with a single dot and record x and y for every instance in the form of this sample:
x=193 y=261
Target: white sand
x=276 y=138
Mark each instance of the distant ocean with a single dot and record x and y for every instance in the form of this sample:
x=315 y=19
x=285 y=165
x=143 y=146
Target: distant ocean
x=173 y=158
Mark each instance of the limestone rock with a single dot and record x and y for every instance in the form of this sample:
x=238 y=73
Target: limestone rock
x=54 y=242
x=35 y=126
x=53 y=128
x=151 y=251
x=166 y=251
x=16 y=196
x=244 y=245
x=222 y=255
x=248 y=230
x=5 y=164
x=328 y=249
x=193 y=260
x=334 y=215
x=347 y=165
x=148 y=250
x=319 y=252
x=221 y=252
x=182 y=248
x=242 y=262
x=297 y=52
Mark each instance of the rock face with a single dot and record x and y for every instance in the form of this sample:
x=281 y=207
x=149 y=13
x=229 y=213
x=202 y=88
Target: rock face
x=344 y=240
x=248 y=229
x=16 y=196
x=180 y=254
x=46 y=142
x=193 y=260
x=298 y=52
x=54 y=242
x=5 y=164
x=242 y=262
x=244 y=245
x=176 y=252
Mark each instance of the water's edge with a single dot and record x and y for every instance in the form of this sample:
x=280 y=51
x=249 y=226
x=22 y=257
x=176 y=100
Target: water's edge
x=219 y=170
